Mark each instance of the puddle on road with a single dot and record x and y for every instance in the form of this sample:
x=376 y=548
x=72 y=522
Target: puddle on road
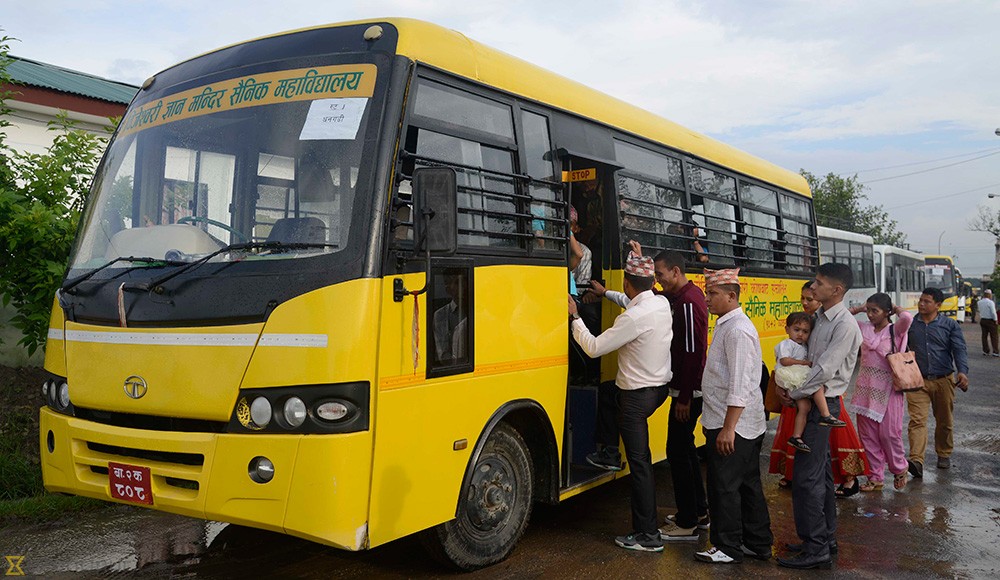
x=118 y=539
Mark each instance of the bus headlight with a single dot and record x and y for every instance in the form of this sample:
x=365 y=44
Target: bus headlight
x=63 y=396
x=294 y=412
x=302 y=409
x=260 y=412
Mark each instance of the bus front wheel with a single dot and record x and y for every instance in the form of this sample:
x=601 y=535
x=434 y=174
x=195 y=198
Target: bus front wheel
x=493 y=508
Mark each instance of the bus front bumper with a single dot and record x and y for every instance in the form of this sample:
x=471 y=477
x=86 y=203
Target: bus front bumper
x=319 y=490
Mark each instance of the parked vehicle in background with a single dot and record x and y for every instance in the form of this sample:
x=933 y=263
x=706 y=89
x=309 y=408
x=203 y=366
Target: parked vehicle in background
x=900 y=274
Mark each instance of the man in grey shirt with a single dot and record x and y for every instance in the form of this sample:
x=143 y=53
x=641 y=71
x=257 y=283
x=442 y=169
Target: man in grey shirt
x=833 y=350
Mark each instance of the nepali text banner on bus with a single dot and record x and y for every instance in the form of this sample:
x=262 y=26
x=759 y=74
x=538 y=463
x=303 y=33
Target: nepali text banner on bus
x=304 y=84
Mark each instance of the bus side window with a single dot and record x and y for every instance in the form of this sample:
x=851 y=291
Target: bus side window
x=450 y=317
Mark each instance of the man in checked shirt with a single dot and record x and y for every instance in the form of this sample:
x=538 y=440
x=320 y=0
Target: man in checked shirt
x=733 y=420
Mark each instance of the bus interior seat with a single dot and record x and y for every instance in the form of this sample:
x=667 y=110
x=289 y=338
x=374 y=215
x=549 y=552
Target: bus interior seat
x=306 y=230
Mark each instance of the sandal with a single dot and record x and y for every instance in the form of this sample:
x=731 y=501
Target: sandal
x=872 y=486
x=799 y=444
x=784 y=482
x=842 y=491
x=899 y=481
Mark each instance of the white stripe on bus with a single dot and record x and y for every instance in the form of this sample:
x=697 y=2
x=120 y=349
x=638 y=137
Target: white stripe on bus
x=198 y=339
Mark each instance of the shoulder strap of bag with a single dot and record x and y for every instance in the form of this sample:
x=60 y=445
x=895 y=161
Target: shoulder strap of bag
x=892 y=337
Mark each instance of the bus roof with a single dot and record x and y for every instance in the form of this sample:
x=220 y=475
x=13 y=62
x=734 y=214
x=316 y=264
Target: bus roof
x=939 y=259
x=835 y=234
x=454 y=52
x=886 y=250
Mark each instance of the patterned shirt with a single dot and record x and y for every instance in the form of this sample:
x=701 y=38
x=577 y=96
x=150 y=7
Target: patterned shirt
x=732 y=376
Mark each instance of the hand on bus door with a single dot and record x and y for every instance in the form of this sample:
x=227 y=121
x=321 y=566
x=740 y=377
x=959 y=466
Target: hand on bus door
x=597 y=288
x=572 y=305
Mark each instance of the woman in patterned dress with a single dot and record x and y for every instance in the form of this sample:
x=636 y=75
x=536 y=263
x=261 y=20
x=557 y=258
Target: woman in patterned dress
x=879 y=407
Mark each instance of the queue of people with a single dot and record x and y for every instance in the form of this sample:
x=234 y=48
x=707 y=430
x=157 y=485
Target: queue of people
x=661 y=339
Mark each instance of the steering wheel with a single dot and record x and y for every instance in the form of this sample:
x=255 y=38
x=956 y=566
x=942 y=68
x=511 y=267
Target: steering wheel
x=191 y=219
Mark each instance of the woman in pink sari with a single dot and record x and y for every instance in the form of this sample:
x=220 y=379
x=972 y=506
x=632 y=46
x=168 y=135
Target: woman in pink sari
x=878 y=405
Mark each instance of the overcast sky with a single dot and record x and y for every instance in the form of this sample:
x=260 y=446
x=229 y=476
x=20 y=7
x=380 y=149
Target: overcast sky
x=882 y=89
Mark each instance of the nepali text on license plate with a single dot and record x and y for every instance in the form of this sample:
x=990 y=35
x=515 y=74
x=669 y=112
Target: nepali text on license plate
x=130 y=483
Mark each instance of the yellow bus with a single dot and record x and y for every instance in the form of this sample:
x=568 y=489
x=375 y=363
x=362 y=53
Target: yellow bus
x=941 y=273
x=320 y=285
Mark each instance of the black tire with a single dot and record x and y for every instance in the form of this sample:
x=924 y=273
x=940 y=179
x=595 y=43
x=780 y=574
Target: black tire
x=493 y=509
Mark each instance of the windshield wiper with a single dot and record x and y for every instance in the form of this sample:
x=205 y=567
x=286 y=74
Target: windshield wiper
x=273 y=246
x=70 y=284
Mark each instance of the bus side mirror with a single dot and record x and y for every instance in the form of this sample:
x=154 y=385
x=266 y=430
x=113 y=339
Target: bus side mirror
x=435 y=208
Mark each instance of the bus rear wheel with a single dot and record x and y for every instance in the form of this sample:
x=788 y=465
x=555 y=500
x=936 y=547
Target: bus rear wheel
x=493 y=509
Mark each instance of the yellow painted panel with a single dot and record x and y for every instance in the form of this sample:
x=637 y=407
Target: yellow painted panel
x=520 y=347
x=233 y=497
x=197 y=380
x=346 y=315
x=416 y=479
x=328 y=499
x=55 y=348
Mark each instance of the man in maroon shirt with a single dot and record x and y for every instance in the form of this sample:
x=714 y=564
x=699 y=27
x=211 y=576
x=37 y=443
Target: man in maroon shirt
x=687 y=360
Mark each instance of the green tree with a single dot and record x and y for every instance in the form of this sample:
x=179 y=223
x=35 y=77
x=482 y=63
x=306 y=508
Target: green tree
x=41 y=197
x=840 y=202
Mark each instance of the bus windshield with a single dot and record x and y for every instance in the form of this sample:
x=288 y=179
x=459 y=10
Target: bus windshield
x=273 y=156
x=941 y=276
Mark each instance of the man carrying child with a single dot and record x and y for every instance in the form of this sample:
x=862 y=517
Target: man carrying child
x=833 y=351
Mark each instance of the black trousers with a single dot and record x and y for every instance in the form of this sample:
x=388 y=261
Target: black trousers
x=989 y=327
x=606 y=433
x=635 y=407
x=813 y=500
x=685 y=467
x=736 y=499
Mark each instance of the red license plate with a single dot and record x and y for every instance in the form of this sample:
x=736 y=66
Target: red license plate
x=130 y=483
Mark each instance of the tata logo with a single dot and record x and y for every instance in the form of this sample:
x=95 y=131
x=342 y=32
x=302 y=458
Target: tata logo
x=135 y=387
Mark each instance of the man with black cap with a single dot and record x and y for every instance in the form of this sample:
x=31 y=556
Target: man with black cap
x=642 y=336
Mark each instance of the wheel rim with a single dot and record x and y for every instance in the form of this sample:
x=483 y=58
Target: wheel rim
x=492 y=493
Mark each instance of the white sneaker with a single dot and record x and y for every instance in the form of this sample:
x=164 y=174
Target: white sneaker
x=713 y=556
x=704 y=522
x=673 y=533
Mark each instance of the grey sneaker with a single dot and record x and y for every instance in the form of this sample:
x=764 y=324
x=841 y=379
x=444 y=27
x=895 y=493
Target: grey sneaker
x=704 y=522
x=640 y=542
x=673 y=533
x=944 y=462
x=607 y=458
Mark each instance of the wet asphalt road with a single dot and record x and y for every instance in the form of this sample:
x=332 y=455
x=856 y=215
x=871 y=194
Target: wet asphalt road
x=947 y=525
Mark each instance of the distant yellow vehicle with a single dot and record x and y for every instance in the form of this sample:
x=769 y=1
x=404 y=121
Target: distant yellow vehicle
x=320 y=285
x=941 y=273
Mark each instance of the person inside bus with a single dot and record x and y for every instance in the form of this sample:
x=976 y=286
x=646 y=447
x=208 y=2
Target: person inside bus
x=642 y=336
x=678 y=234
x=583 y=369
x=451 y=322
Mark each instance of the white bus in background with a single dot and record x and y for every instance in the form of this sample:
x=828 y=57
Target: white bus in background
x=855 y=250
x=900 y=274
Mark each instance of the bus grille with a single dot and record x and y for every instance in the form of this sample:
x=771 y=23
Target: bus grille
x=151 y=422
x=195 y=459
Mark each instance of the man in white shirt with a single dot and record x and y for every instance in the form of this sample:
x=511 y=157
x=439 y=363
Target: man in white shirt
x=988 y=322
x=641 y=335
x=733 y=420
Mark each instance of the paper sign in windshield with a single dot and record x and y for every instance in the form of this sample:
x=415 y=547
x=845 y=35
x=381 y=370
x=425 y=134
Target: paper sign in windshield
x=333 y=119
